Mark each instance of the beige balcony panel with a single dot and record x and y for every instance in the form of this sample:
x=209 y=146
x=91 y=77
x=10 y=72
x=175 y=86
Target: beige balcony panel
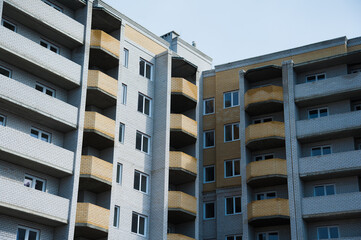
x=174 y=236
x=103 y=40
x=182 y=86
x=97 y=167
x=181 y=200
x=268 y=208
x=263 y=94
x=266 y=168
x=265 y=130
x=183 y=123
x=97 y=79
x=93 y=215
x=98 y=122
x=183 y=161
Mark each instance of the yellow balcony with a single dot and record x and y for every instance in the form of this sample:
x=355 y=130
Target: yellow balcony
x=102 y=89
x=267 y=172
x=183 y=130
x=184 y=95
x=264 y=100
x=181 y=207
x=265 y=135
x=91 y=221
x=268 y=212
x=104 y=50
x=95 y=174
x=174 y=236
x=98 y=130
x=182 y=168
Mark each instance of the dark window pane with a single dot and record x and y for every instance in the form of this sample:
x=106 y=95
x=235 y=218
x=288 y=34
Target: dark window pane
x=28 y=182
x=227 y=100
x=330 y=190
x=115 y=220
x=323 y=112
x=48 y=92
x=2 y=121
x=147 y=106
x=209 y=210
x=4 y=72
x=138 y=142
x=142 y=225
x=209 y=139
x=271 y=195
x=260 y=197
x=45 y=137
x=311 y=78
x=334 y=232
x=322 y=233
x=319 y=191
x=267 y=120
x=258 y=158
x=136 y=180
x=53 y=49
x=316 y=151
x=9 y=26
x=273 y=236
x=118 y=173
x=144 y=184
x=209 y=106
x=148 y=71
x=39 y=185
x=237 y=168
x=321 y=77
x=145 y=144
x=39 y=88
x=326 y=150
x=229 y=206
x=235 y=99
x=32 y=235
x=209 y=174
x=313 y=114
x=228 y=134
x=230 y=238
x=239 y=238
x=229 y=169
x=135 y=223
x=257 y=121
x=238 y=204
x=140 y=103
x=141 y=67
x=261 y=236
x=43 y=44
x=270 y=156
x=21 y=234
x=236 y=131
x=121 y=132
x=34 y=133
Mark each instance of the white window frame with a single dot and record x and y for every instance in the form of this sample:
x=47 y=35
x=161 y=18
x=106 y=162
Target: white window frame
x=126 y=57
x=204 y=106
x=145 y=224
x=324 y=189
x=224 y=99
x=49 y=44
x=204 y=139
x=262 y=120
x=27 y=231
x=318 y=112
x=232 y=137
x=204 y=173
x=263 y=156
x=317 y=75
x=40 y=133
x=121 y=132
x=141 y=174
x=265 y=195
x=124 y=94
x=204 y=210
x=4 y=121
x=53 y=5
x=233 y=236
x=267 y=234
x=234 y=206
x=116 y=220
x=7 y=69
x=119 y=174
x=10 y=23
x=328 y=232
x=143 y=109
x=233 y=168
x=321 y=147
x=33 y=183
x=45 y=88
x=145 y=68
x=143 y=135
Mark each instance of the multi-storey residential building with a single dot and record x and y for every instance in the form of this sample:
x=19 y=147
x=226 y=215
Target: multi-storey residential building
x=281 y=145
x=98 y=135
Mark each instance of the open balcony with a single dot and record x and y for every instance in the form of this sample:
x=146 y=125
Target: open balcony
x=181 y=207
x=102 y=90
x=182 y=168
x=104 y=50
x=267 y=172
x=183 y=130
x=184 y=95
x=175 y=236
x=264 y=100
x=265 y=135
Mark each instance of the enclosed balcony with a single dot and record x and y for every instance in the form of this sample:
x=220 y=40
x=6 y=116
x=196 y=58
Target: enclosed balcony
x=268 y=212
x=98 y=130
x=91 y=221
x=182 y=168
x=181 y=207
x=264 y=100
x=95 y=174
x=175 y=236
x=184 y=95
x=265 y=135
x=267 y=172
x=104 y=50
x=183 y=130
x=102 y=90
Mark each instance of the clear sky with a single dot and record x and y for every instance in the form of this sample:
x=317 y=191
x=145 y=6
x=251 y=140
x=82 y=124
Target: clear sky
x=230 y=30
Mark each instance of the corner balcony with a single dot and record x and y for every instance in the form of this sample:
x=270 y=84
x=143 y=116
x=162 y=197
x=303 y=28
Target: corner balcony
x=183 y=130
x=102 y=90
x=181 y=207
x=98 y=130
x=22 y=149
x=265 y=135
x=182 y=168
x=91 y=221
x=95 y=174
x=175 y=236
x=30 y=56
x=43 y=109
x=264 y=100
x=184 y=95
x=268 y=212
x=33 y=205
x=104 y=50
x=267 y=172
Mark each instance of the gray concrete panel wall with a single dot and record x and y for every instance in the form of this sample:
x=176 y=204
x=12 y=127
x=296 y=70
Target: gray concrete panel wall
x=342 y=185
x=330 y=72
x=337 y=145
x=349 y=229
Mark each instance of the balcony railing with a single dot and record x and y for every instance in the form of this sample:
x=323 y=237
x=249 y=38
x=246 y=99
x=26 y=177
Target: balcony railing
x=180 y=200
x=270 y=172
x=262 y=134
x=268 y=209
x=184 y=161
x=97 y=168
x=104 y=41
x=92 y=216
x=183 y=123
x=98 y=79
x=182 y=86
x=99 y=123
x=175 y=236
x=264 y=99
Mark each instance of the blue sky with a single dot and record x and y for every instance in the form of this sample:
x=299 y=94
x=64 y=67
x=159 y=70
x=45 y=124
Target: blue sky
x=230 y=30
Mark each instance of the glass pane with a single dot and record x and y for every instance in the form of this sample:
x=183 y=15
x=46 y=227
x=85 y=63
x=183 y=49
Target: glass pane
x=4 y=72
x=209 y=210
x=28 y=182
x=118 y=173
x=238 y=204
x=142 y=225
x=273 y=236
x=145 y=144
x=261 y=236
x=238 y=237
x=39 y=185
x=316 y=151
x=330 y=190
x=230 y=238
x=237 y=167
x=124 y=94
x=21 y=234
x=43 y=44
x=209 y=174
x=209 y=139
x=229 y=169
x=323 y=112
x=39 y=88
x=258 y=158
x=140 y=103
x=271 y=195
x=260 y=196
x=147 y=106
x=49 y=92
x=115 y=220
x=45 y=137
x=229 y=206
x=235 y=99
x=144 y=184
x=228 y=133
x=322 y=233
x=236 y=131
x=269 y=156
x=326 y=150
x=311 y=79
x=136 y=180
x=9 y=26
x=256 y=121
x=135 y=223
x=209 y=106
x=32 y=235
x=267 y=120
x=321 y=77
x=313 y=114
x=126 y=55
x=54 y=49
x=34 y=133
x=334 y=232
x=138 y=141
x=148 y=71
x=319 y=191
x=227 y=100
x=2 y=121
x=121 y=127
x=141 y=67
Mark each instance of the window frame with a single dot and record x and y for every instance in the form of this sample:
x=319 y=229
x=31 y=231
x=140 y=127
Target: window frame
x=324 y=189
x=143 y=135
x=224 y=99
x=27 y=231
x=53 y=5
x=262 y=120
x=316 y=75
x=204 y=173
x=4 y=122
x=8 y=70
x=34 y=179
x=328 y=232
x=265 y=195
x=263 y=156
x=204 y=139
x=41 y=132
x=119 y=174
x=234 y=236
x=318 y=112
x=145 y=69
x=204 y=210
x=233 y=168
x=143 y=109
x=126 y=57
x=141 y=174
x=124 y=94
x=121 y=132
x=234 y=205
x=321 y=148
x=10 y=23
x=49 y=44
x=267 y=234
x=116 y=220
x=204 y=106
x=232 y=137
x=46 y=88
x=145 y=224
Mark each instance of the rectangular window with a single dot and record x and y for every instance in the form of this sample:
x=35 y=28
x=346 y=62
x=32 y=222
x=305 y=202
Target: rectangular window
x=208 y=138
x=233 y=205
x=324 y=190
x=8 y=25
x=262 y=120
x=139 y=224
x=321 y=150
x=2 y=120
x=6 y=72
x=209 y=210
x=209 y=174
x=25 y=233
x=234 y=237
x=230 y=99
x=49 y=46
x=142 y=142
x=145 y=69
x=53 y=5
x=34 y=182
x=144 y=104
x=356 y=70
x=119 y=173
x=315 y=77
x=231 y=132
x=39 y=134
x=141 y=182
x=265 y=195
x=208 y=106
x=126 y=57
x=44 y=89
x=328 y=232
x=356 y=107
x=124 y=94
x=121 y=132
x=232 y=168
x=264 y=157
x=317 y=113
x=116 y=216
x=267 y=236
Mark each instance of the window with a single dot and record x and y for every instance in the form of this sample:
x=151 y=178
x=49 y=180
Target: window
x=356 y=107
x=230 y=99
x=124 y=93
x=356 y=70
x=231 y=132
x=53 y=5
x=234 y=237
x=208 y=106
x=327 y=232
x=262 y=120
x=39 y=134
x=119 y=173
x=315 y=77
x=126 y=57
x=141 y=182
x=8 y=25
x=25 y=233
x=267 y=236
x=121 y=132
x=209 y=174
x=142 y=142
x=45 y=89
x=139 y=224
x=2 y=120
x=263 y=157
x=208 y=139
x=49 y=46
x=265 y=195
x=233 y=205
x=322 y=150
x=232 y=168
x=316 y=113
x=144 y=104
x=324 y=190
x=6 y=72
x=34 y=182
x=209 y=210
x=145 y=69
x=116 y=216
